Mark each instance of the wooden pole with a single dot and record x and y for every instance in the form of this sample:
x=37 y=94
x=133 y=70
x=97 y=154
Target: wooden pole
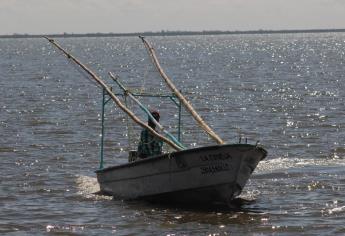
x=184 y=101
x=114 y=97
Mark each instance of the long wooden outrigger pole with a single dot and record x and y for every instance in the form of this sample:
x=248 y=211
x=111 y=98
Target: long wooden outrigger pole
x=114 y=97
x=184 y=101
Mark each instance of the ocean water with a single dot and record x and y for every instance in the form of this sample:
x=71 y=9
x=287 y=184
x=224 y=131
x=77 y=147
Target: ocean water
x=284 y=90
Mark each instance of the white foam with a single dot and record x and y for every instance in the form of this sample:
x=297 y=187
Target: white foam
x=88 y=186
x=282 y=163
x=336 y=210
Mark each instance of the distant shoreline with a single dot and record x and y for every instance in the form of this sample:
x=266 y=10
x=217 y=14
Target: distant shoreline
x=172 y=33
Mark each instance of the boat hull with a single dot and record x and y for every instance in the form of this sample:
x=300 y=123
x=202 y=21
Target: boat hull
x=205 y=175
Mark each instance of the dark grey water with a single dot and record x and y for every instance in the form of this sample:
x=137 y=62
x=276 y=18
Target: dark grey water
x=285 y=90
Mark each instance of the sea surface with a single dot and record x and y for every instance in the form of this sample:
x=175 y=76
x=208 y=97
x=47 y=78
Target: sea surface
x=284 y=90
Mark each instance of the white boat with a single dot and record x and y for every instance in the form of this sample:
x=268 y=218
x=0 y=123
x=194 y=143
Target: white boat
x=205 y=175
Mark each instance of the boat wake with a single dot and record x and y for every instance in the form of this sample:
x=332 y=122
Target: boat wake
x=279 y=164
x=88 y=188
x=336 y=210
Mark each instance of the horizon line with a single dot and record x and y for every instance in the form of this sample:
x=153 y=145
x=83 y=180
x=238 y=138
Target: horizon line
x=172 y=33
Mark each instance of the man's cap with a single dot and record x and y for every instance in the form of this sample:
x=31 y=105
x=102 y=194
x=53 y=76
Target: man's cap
x=155 y=114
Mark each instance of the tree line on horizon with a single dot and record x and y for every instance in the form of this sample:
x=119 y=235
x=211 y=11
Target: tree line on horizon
x=171 y=33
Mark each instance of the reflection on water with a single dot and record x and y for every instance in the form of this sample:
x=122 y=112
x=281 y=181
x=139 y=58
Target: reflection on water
x=287 y=91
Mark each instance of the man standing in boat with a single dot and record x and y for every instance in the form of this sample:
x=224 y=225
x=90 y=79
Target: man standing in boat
x=149 y=145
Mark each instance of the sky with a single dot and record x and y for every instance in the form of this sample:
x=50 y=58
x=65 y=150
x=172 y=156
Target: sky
x=126 y=16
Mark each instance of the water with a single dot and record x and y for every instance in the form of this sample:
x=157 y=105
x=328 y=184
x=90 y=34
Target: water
x=285 y=90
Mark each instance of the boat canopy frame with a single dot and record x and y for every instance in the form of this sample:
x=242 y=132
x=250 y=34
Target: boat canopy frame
x=106 y=98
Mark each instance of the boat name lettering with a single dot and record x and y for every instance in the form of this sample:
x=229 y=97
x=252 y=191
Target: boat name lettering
x=211 y=169
x=215 y=157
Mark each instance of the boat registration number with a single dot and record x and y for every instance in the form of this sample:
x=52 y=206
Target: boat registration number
x=211 y=169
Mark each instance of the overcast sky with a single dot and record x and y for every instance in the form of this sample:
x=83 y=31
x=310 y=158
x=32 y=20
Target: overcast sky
x=90 y=16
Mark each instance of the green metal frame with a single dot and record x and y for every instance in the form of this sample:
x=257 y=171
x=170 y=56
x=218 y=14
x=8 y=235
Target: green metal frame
x=106 y=98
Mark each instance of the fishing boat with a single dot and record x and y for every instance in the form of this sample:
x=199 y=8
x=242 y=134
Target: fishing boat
x=204 y=175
